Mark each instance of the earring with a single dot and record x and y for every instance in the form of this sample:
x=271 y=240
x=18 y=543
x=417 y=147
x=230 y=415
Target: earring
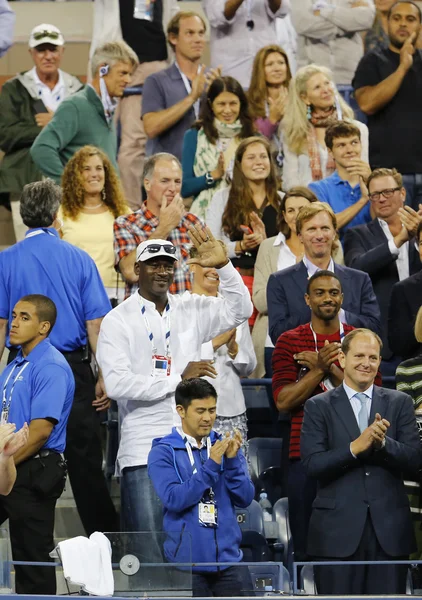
x=308 y=112
x=103 y=195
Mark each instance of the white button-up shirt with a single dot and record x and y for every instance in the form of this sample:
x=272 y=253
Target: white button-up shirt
x=402 y=253
x=124 y=353
x=51 y=98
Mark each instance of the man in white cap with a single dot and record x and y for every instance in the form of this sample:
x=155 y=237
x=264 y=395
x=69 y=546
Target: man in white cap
x=27 y=104
x=147 y=345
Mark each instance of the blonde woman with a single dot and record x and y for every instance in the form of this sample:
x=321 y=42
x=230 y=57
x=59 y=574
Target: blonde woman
x=313 y=104
x=92 y=199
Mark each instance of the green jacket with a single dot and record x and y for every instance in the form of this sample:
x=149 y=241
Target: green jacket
x=18 y=129
x=79 y=120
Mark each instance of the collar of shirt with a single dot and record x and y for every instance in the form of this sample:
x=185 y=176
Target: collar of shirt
x=351 y=392
x=49 y=230
x=192 y=441
x=148 y=214
x=44 y=88
x=35 y=353
x=312 y=269
x=148 y=303
x=280 y=240
x=337 y=180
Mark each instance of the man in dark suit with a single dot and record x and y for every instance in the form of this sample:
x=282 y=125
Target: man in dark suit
x=385 y=248
x=316 y=226
x=357 y=440
x=405 y=301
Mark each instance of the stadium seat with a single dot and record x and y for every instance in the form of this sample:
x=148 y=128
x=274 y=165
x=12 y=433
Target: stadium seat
x=254 y=545
x=267 y=579
x=265 y=463
x=284 y=539
x=307 y=582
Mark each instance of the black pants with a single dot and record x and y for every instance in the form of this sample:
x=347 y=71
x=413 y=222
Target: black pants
x=301 y=492
x=234 y=581
x=30 y=510
x=84 y=455
x=363 y=579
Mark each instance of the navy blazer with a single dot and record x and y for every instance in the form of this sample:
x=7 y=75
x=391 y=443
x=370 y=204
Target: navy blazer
x=348 y=486
x=405 y=301
x=366 y=248
x=287 y=308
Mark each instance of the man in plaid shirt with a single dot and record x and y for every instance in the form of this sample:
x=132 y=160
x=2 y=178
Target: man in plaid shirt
x=161 y=216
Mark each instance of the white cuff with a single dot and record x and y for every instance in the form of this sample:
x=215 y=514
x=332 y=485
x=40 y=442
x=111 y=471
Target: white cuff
x=393 y=248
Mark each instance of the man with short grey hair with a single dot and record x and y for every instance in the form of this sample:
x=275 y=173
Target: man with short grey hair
x=161 y=216
x=44 y=264
x=87 y=118
x=27 y=104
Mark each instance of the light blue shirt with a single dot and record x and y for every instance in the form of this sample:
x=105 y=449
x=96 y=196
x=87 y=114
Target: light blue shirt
x=355 y=403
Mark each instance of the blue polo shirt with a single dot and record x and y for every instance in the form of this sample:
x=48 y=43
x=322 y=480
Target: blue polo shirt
x=42 y=263
x=339 y=194
x=40 y=386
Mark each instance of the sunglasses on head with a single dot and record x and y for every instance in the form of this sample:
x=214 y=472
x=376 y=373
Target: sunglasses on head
x=154 y=248
x=43 y=34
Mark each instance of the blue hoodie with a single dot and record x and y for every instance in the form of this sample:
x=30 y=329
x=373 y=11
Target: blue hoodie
x=180 y=491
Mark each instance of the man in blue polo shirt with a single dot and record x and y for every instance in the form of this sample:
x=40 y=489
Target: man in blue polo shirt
x=345 y=190
x=43 y=263
x=38 y=388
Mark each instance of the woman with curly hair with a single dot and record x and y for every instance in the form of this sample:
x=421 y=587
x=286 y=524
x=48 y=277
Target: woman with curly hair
x=92 y=199
x=209 y=147
x=312 y=105
x=267 y=95
x=245 y=214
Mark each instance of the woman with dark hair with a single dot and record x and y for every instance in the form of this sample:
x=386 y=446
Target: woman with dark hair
x=209 y=147
x=245 y=213
x=274 y=254
x=92 y=199
x=267 y=94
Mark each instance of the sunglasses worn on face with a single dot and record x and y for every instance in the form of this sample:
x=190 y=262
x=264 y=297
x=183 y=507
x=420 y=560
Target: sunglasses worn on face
x=43 y=34
x=388 y=193
x=154 y=248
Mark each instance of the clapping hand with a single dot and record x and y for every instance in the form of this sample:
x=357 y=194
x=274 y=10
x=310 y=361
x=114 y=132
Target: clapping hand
x=277 y=106
x=234 y=445
x=211 y=252
x=11 y=442
x=258 y=235
x=211 y=76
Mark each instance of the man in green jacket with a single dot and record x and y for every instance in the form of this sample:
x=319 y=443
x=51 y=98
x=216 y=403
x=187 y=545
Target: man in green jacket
x=87 y=117
x=27 y=104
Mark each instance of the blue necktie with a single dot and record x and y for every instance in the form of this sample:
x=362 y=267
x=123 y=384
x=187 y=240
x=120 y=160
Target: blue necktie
x=363 y=411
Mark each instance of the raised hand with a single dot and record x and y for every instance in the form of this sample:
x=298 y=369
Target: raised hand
x=410 y=219
x=220 y=169
x=211 y=76
x=198 y=84
x=11 y=442
x=199 y=368
x=328 y=355
x=379 y=429
x=277 y=106
x=223 y=338
x=211 y=252
x=234 y=445
x=219 y=449
x=171 y=213
x=407 y=51
x=359 y=167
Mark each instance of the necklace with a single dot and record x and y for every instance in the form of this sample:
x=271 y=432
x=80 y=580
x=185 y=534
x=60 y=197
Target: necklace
x=93 y=207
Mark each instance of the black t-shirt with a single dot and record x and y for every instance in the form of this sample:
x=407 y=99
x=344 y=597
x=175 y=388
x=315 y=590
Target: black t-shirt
x=395 y=131
x=269 y=218
x=146 y=38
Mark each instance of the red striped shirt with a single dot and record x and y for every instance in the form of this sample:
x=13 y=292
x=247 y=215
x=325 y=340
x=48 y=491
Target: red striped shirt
x=286 y=370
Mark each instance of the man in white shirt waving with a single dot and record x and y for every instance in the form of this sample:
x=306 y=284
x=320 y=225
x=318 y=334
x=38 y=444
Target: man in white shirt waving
x=148 y=344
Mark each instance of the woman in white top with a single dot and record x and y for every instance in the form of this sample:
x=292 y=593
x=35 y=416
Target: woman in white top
x=92 y=199
x=313 y=104
x=274 y=254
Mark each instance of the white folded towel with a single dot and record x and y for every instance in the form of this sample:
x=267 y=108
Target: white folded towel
x=87 y=562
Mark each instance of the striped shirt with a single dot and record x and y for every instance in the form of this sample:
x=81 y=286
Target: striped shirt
x=286 y=370
x=409 y=379
x=131 y=230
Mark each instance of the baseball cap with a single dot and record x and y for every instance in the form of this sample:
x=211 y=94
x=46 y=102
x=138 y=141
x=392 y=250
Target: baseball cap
x=45 y=34
x=154 y=248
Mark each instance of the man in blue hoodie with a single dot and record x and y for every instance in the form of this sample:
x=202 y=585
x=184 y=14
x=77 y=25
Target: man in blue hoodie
x=200 y=478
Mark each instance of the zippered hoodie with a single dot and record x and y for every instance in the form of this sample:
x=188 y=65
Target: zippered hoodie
x=180 y=491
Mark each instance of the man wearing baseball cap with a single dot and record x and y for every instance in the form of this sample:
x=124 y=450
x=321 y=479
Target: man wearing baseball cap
x=27 y=104
x=147 y=345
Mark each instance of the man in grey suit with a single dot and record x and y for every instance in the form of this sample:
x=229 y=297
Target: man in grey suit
x=358 y=440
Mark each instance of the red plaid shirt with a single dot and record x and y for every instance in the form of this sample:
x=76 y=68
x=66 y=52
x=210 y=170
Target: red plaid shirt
x=131 y=230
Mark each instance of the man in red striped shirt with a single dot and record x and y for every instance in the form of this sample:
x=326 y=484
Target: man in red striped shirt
x=305 y=363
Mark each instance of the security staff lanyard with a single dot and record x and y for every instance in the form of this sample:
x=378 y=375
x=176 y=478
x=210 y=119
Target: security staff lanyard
x=326 y=383
x=149 y=330
x=6 y=402
x=188 y=88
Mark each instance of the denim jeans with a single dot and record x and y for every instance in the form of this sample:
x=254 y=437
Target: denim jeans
x=413 y=185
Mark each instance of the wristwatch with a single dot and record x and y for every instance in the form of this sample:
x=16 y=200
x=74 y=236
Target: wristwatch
x=209 y=178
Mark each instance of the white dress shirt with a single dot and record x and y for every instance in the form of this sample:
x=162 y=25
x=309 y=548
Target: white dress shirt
x=230 y=400
x=124 y=354
x=402 y=253
x=51 y=98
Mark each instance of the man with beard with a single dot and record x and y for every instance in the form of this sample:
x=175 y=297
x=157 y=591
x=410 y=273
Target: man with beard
x=305 y=364
x=388 y=88
x=147 y=345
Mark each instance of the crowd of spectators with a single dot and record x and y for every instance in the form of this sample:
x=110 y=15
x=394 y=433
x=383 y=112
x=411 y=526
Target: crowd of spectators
x=181 y=226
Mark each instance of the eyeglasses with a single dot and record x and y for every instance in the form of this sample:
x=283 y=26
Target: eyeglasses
x=388 y=193
x=154 y=248
x=43 y=34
